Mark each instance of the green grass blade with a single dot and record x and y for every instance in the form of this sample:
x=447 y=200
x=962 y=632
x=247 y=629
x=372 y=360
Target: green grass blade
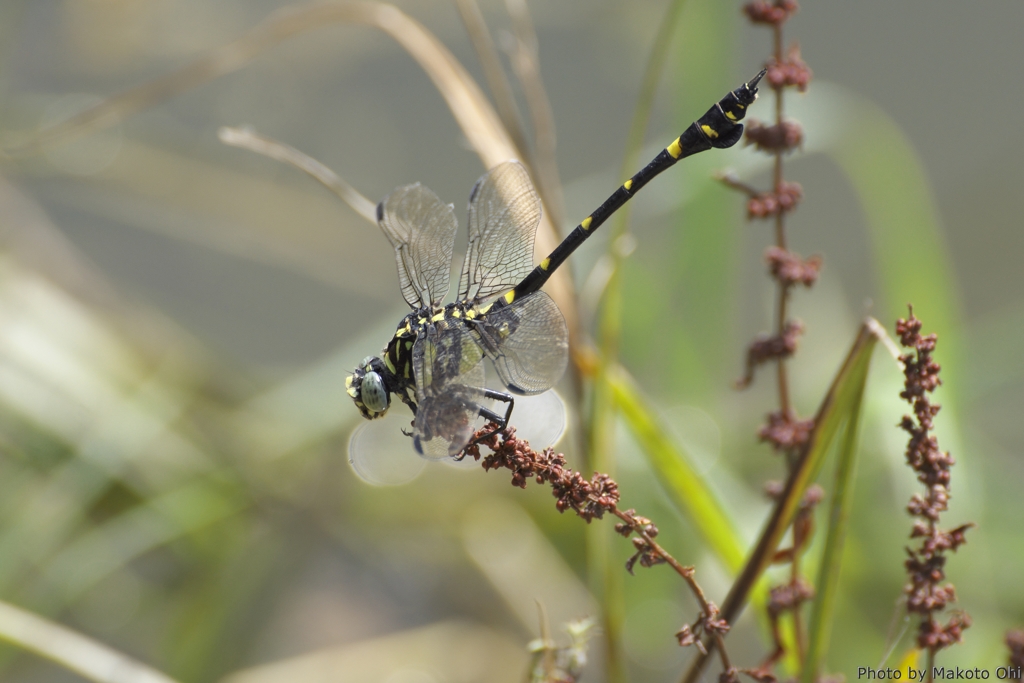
x=827 y=584
x=908 y=247
x=157 y=521
x=74 y=651
x=833 y=414
x=688 y=489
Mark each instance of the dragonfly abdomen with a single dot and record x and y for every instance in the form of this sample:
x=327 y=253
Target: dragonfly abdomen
x=719 y=127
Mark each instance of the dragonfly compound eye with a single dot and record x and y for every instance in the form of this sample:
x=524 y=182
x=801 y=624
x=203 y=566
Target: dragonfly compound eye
x=366 y=387
x=374 y=396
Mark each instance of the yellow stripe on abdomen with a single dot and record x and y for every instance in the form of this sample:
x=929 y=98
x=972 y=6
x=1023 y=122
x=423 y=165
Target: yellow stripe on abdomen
x=676 y=148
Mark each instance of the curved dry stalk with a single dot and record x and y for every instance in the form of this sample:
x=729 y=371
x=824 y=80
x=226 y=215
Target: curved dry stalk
x=72 y=650
x=247 y=138
x=487 y=54
x=470 y=108
x=887 y=341
x=526 y=65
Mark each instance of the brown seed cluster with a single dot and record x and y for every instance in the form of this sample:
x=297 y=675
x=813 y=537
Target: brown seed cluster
x=708 y=622
x=789 y=72
x=646 y=552
x=592 y=499
x=926 y=594
x=770 y=204
x=781 y=137
x=789 y=596
x=587 y=498
x=785 y=433
x=771 y=347
x=789 y=269
x=772 y=13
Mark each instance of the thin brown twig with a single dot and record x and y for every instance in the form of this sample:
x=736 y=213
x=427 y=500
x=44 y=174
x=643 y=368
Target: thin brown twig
x=730 y=179
x=783 y=430
x=525 y=60
x=780 y=237
x=686 y=572
x=526 y=64
x=247 y=138
x=499 y=85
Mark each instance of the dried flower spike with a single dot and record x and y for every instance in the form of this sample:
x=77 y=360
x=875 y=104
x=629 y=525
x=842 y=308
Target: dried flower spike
x=926 y=594
x=592 y=499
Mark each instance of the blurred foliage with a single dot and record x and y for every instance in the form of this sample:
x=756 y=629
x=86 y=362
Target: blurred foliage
x=165 y=494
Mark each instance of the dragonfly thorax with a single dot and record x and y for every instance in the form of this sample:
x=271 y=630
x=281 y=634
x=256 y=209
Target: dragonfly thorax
x=375 y=378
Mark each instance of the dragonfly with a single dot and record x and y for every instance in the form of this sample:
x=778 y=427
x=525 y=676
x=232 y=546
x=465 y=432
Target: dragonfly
x=434 y=362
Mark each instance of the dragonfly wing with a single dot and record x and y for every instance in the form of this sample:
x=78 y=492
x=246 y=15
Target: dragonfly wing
x=447 y=363
x=504 y=211
x=379 y=453
x=540 y=418
x=528 y=342
x=422 y=230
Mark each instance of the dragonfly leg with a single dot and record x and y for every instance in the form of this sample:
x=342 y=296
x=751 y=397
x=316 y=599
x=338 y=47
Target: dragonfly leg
x=491 y=416
x=504 y=398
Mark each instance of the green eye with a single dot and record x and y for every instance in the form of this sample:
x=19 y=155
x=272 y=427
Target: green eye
x=374 y=395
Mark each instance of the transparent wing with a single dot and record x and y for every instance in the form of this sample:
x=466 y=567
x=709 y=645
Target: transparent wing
x=447 y=362
x=528 y=342
x=422 y=230
x=379 y=453
x=504 y=211
x=540 y=418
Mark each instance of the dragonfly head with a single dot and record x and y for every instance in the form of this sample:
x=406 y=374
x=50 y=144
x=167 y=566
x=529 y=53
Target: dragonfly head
x=366 y=387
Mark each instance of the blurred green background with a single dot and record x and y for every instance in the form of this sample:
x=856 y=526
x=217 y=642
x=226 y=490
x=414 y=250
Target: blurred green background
x=177 y=318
